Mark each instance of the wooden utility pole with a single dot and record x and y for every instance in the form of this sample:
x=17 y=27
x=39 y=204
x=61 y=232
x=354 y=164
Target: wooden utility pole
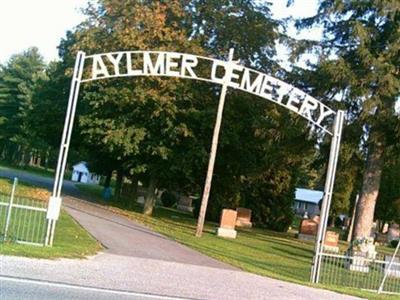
x=214 y=146
x=350 y=234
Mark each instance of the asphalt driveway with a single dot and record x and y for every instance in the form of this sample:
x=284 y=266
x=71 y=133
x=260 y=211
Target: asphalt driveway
x=118 y=234
x=137 y=263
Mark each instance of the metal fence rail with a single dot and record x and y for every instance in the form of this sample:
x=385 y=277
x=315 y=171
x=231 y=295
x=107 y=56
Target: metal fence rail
x=22 y=220
x=360 y=272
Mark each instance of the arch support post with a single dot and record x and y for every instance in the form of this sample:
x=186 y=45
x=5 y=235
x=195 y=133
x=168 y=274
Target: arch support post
x=328 y=190
x=214 y=146
x=54 y=206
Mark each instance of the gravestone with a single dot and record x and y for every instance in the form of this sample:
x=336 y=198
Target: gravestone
x=380 y=238
x=359 y=262
x=140 y=200
x=308 y=229
x=227 y=224
x=243 y=218
x=394 y=269
x=185 y=204
x=331 y=243
x=385 y=228
x=362 y=254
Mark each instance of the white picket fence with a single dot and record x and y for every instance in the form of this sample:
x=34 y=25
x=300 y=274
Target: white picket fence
x=22 y=220
x=361 y=272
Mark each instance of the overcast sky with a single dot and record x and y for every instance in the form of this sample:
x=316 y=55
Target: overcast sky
x=42 y=23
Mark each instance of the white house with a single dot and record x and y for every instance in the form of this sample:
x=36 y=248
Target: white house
x=81 y=173
x=307 y=201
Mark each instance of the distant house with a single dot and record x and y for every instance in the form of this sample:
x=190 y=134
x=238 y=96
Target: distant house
x=306 y=201
x=81 y=173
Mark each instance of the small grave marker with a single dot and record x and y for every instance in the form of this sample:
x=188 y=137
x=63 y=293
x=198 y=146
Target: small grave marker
x=308 y=229
x=394 y=269
x=243 y=217
x=185 y=204
x=331 y=243
x=227 y=224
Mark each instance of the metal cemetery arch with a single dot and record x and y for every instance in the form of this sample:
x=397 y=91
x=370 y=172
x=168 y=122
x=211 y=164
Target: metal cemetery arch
x=173 y=64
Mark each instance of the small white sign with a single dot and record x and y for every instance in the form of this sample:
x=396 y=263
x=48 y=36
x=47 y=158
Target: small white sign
x=53 y=210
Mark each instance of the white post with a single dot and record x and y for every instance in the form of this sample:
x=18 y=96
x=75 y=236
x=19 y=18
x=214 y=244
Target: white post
x=9 y=210
x=213 y=152
x=328 y=190
x=389 y=267
x=55 y=200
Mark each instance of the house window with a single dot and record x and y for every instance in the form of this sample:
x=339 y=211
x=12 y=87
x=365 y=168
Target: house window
x=305 y=206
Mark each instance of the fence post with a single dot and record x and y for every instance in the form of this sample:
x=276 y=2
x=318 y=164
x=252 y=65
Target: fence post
x=55 y=200
x=389 y=267
x=9 y=210
x=328 y=191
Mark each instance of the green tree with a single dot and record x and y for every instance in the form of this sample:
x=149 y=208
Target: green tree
x=359 y=54
x=256 y=153
x=159 y=130
x=18 y=80
x=388 y=203
x=135 y=124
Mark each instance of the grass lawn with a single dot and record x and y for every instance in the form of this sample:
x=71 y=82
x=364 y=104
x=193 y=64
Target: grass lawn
x=71 y=240
x=259 y=251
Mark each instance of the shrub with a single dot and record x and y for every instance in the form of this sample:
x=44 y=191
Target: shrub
x=168 y=199
x=394 y=243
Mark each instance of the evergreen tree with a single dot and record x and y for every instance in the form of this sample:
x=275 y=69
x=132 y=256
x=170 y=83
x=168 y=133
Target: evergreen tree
x=388 y=203
x=18 y=80
x=359 y=56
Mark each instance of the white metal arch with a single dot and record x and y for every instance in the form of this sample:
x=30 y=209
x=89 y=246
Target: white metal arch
x=181 y=65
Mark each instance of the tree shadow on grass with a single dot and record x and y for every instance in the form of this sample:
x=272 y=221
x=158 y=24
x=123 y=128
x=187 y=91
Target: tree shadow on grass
x=270 y=267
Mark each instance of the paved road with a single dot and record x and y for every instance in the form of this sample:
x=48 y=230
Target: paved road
x=18 y=288
x=157 y=277
x=45 y=182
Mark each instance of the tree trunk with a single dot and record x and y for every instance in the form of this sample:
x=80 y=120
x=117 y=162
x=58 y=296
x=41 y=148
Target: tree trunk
x=134 y=192
x=332 y=223
x=107 y=182
x=46 y=159
x=369 y=191
x=118 y=184
x=22 y=158
x=107 y=193
x=31 y=159
x=150 y=199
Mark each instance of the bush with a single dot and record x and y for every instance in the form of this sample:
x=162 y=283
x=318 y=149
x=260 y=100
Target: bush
x=168 y=199
x=394 y=243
